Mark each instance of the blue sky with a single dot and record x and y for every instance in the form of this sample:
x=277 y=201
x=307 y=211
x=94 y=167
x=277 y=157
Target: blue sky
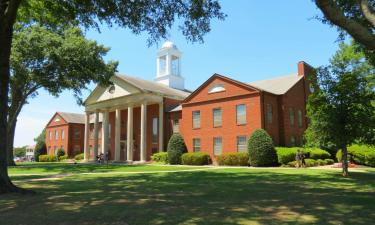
x=257 y=40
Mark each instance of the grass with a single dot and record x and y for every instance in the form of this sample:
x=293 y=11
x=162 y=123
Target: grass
x=213 y=196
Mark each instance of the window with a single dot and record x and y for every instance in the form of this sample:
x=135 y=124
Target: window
x=91 y=131
x=269 y=113
x=293 y=141
x=176 y=126
x=241 y=114
x=50 y=135
x=56 y=135
x=216 y=88
x=196 y=119
x=196 y=144
x=218 y=145
x=291 y=116
x=62 y=147
x=241 y=144
x=154 y=130
x=217 y=117
x=299 y=118
x=77 y=133
x=49 y=150
x=62 y=134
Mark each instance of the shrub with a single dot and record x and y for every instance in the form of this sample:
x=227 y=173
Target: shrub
x=316 y=153
x=79 y=156
x=176 y=147
x=64 y=157
x=161 y=157
x=196 y=158
x=47 y=158
x=292 y=163
x=359 y=154
x=60 y=152
x=310 y=162
x=261 y=149
x=329 y=161
x=285 y=154
x=38 y=152
x=320 y=162
x=234 y=159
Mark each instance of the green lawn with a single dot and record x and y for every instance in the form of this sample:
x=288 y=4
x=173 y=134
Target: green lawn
x=213 y=196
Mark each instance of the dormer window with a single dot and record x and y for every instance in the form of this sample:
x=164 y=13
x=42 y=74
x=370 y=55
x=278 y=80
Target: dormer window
x=111 y=89
x=216 y=88
x=57 y=119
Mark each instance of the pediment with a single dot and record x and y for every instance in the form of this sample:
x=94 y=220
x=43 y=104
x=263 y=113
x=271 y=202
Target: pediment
x=118 y=88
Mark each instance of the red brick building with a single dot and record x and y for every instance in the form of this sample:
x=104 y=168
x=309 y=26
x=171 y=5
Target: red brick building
x=65 y=131
x=221 y=114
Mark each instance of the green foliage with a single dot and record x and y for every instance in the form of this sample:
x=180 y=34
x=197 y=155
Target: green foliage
x=60 y=152
x=360 y=154
x=286 y=155
x=62 y=158
x=79 y=157
x=261 y=149
x=233 y=159
x=40 y=147
x=196 y=158
x=329 y=161
x=176 y=147
x=20 y=152
x=47 y=158
x=161 y=157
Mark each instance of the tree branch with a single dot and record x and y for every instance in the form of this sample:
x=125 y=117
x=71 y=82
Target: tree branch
x=367 y=11
x=335 y=15
x=11 y=11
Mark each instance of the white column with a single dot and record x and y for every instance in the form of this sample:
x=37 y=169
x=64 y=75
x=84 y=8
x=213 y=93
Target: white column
x=96 y=134
x=105 y=132
x=168 y=64
x=102 y=135
x=117 y=134
x=158 y=67
x=129 y=138
x=143 y=131
x=87 y=134
x=161 y=127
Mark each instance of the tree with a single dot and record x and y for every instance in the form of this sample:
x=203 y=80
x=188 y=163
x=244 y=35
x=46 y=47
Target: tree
x=176 y=147
x=153 y=17
x=341 y=109
x=53 y=60
x=20 y=151
x=261 y=149
x=354 y=17
x=40 y=146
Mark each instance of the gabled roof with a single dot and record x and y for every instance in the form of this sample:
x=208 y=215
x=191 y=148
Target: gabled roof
x=72 y=117
x=176 y=109
x=151 y=86
x=245 y=85
x=277 y=85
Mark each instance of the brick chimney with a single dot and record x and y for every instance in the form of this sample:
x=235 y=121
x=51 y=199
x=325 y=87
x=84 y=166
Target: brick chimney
x=304 y=69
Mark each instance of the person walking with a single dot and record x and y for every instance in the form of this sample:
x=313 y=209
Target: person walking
x=298 y=158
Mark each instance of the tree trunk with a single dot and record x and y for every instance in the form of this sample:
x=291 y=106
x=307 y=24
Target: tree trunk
x=344 y=152
x=6 y=31
x=11 y=131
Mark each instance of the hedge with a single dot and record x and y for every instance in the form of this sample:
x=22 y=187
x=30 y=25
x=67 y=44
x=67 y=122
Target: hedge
x=196 y=158
x=359 y=154
x=261 y=149
x=47 y=158
x=233 y=159
x=64 y=157
x=286 y=155
x=161 y=157
x=312 y=162
x=79 y=156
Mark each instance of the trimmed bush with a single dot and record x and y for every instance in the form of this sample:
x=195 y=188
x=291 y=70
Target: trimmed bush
x=261 y=149
x=292 y=163
x=161 y=157
x=79 y=157
x=60 y=152
x=359 y=154
x=286 y=155
x=310 y=162
x=196 y=158
x=62 y=158
x=176 y=147
x=320 y=162
x=233 y=159
x=47 y=158
x=329 y=161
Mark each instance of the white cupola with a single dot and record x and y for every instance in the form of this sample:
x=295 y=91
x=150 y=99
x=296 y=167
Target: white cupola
x=168 y=66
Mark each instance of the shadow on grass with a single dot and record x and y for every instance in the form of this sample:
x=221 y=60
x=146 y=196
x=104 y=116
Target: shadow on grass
x=202 y=197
